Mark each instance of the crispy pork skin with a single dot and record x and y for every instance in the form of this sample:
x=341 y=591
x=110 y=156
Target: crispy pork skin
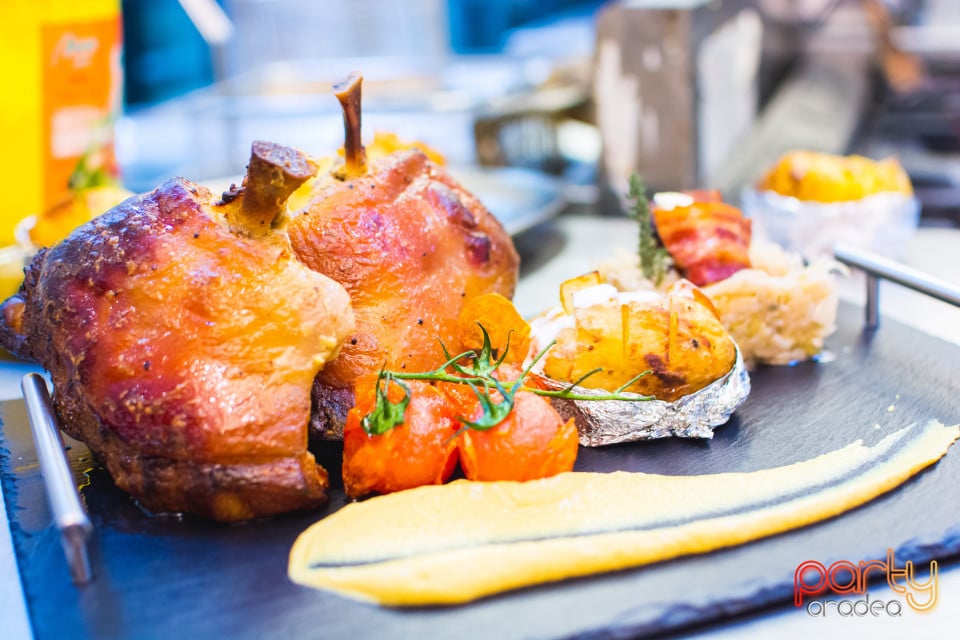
x=183 y=337
x=410 y=245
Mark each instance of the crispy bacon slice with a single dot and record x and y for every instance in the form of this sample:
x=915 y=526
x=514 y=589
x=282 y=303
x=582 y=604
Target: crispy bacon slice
x=708 y=239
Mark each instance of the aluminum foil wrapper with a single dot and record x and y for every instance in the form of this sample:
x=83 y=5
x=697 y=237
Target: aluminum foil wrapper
x=603 y=422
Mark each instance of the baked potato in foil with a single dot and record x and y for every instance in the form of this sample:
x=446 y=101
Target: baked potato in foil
x=670 y=348
x=692 y=416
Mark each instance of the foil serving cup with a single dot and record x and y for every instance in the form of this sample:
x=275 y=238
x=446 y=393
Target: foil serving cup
x=882 y=222
x=603 y=422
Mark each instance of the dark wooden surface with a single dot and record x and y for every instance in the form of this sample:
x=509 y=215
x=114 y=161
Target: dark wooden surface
x=164 y=578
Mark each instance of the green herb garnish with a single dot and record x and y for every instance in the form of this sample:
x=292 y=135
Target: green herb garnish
x=477 y=370
x=387 y=414
x=480 y=365
x=654 y=259
x=493 y=412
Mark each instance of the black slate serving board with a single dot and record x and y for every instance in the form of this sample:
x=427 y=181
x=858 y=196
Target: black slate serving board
x=160 y=578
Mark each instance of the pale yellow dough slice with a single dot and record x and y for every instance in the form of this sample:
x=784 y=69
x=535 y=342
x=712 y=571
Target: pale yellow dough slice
x=465 y=540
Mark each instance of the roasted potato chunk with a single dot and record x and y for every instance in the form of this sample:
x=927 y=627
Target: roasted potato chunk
x=678 y=338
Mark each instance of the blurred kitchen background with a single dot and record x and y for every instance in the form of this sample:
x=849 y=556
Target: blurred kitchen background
x=570 y=95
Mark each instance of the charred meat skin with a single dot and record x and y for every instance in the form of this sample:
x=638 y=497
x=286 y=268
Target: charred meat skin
x=411 y=246
x=183 y=352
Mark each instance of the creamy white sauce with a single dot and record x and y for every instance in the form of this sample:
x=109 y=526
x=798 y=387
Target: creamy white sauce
x=548 y=326
x=592 y=296
x=668 y=200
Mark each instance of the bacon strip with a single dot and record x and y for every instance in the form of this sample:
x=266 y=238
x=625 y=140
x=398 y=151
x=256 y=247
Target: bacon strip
x=708 y=240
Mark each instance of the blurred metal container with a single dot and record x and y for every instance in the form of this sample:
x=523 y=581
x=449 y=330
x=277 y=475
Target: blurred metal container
x=675 y=87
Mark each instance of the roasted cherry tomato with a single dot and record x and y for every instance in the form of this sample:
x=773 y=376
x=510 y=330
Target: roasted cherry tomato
x=502 y=323
x=532 y=442
x=421 y=450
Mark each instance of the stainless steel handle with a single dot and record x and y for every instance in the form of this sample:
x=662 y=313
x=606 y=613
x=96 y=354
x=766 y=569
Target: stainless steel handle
x=68 y=512
x=877 y=268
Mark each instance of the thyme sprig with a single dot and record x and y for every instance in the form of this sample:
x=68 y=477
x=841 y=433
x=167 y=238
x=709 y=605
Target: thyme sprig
x=477 y=371
x=654 y=259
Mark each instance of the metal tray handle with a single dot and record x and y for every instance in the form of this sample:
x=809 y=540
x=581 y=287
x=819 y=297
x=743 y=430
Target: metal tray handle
x=68 y=512
x=877 y=267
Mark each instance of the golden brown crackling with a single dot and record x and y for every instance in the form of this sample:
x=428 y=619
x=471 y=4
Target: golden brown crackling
x=183 y=353
x=411 y=246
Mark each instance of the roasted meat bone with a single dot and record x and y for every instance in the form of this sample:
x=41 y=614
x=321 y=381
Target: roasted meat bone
x=411 y=245
x=183 y=336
